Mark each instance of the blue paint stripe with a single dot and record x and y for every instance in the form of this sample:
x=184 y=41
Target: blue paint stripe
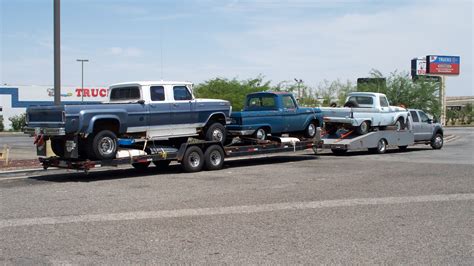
x=16 y=103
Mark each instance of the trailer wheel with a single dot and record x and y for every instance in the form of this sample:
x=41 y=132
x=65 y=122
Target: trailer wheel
x=162 y=164
x=141 y=166
x=338 y=151
x=214 y=158
x=216 y=132
x=102 y=145
x=57 y=145
x=381 y=147
x=437 y=141
x=260 y=134
x=193 y=159
x=363 y=128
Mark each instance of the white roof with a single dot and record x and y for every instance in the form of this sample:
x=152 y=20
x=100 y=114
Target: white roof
x=366 y=93
x=149 y=83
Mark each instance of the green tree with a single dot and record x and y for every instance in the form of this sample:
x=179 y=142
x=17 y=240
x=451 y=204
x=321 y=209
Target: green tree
x=232 y=90
x=335 y=91
x=2 y=127
x=469 y=112
x=18 y=122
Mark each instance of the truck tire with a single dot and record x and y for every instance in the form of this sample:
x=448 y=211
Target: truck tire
x=214 y=158
x=437 y=141
x=363 y=128
x=260 y=134
x=141 y=166
x=162 y=164
x=193 y=159
x=310 y=130
x=381 y=147
x=102 y=145
x=216 y=132
x=400 y=124
x=57 y=145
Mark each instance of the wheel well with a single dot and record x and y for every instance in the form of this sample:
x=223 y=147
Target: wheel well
x=438 y=132
x=108 y=124
x=316 y=122
x=220 y=118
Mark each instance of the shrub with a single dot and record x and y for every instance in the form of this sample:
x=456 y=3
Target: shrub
x=2 y=127
x=18 y=122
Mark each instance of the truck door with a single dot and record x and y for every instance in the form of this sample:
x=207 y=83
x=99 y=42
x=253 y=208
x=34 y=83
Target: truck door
x=426 y=126
x=183 y=107
x=293 y=121
x=159 y=113
x=385 y=112
x=416 y=125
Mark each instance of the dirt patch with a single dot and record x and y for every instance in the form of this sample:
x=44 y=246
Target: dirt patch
x=20 y=164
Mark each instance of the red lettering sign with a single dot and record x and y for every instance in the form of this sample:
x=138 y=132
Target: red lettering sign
x=91 y=92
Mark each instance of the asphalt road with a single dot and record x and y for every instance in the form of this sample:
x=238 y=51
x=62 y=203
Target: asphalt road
x=414 y=207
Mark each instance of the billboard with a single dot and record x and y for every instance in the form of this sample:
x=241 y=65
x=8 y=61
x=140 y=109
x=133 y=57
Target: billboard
x=418 y=66
x=442 y=65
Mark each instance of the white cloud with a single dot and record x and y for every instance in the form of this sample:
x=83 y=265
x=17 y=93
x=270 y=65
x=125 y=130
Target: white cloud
x=128 y=52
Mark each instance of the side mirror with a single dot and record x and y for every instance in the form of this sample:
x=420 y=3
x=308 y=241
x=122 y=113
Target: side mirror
x=141 y=101
x=429 y=121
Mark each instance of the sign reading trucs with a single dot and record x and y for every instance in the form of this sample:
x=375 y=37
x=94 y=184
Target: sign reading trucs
x=442 y=65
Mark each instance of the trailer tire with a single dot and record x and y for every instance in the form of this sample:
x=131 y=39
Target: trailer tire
x=363 y=128
x=141 y=166
x=102 y=145
x=216 y=132
x=57 y=145
x=214 y=158
x=338 y=151
x=381 y=147
x=437 y=141
x=162 y=164
x=193 y=159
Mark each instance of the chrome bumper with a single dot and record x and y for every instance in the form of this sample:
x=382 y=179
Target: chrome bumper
x=58 y=131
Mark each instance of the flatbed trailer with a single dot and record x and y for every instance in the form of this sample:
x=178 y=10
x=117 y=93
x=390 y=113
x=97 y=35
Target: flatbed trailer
x=375 y=141
x=193 y=156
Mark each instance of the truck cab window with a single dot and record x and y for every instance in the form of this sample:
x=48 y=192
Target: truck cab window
x=424 y=118
x=362 y=101
x=414 y=116
x=157 y=93
x=125 y=93
x=288 y=102
x=383 y=102
x=181 y=93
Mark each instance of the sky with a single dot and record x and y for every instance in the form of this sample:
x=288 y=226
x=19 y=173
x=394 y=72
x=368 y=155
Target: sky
x=198 y=40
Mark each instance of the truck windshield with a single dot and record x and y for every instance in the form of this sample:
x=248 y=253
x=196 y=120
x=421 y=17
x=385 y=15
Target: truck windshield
x=125 y=94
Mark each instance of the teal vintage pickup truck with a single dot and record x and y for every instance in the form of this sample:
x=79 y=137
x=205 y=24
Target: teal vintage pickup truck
x=274 y=113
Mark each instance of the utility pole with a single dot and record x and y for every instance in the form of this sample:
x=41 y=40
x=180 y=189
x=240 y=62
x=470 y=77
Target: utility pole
x=298 y=82
x=57 y=53
x=82 y=76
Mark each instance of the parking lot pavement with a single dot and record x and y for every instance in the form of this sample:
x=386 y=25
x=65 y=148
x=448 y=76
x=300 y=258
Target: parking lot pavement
x=398 y=208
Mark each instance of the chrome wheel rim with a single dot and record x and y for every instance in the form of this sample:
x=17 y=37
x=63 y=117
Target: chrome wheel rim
x=438 y=141
x=215 y=157
x=260 y=134
x=311 y=130
x=194 y=159
x=106 y=146
x=217 y=135
x=382 y=146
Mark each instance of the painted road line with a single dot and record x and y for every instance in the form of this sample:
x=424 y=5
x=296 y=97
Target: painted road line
x=249 y=209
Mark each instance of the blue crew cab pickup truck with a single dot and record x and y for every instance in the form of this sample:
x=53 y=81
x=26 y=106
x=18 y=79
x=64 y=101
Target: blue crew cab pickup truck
x=274 y=113
x=147 y=110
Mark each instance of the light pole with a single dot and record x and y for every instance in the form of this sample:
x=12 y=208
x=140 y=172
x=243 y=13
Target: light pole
x=298 y=82
x=82 y=76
